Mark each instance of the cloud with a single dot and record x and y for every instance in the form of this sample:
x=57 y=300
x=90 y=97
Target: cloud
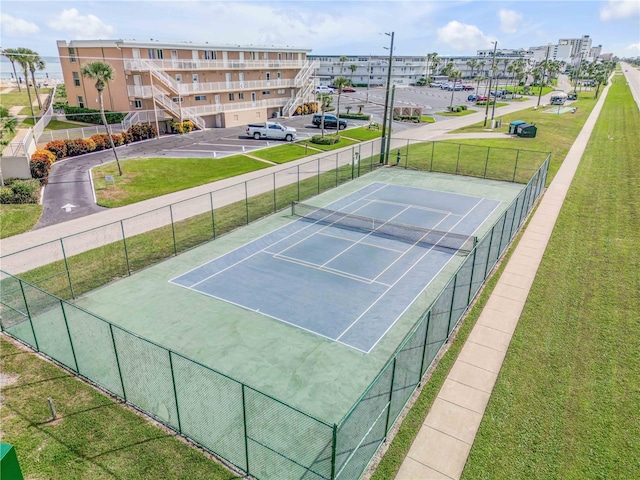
x=509 y=20
x=77 y=26
x=17 y=27
x=619 y=9
x=634 y=46
x=461 y=36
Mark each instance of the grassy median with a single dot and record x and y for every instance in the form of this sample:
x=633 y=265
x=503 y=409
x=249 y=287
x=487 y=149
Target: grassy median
x=567 y=401
x=16 y=219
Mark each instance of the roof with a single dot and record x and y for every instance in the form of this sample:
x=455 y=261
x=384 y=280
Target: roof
x=151 y=43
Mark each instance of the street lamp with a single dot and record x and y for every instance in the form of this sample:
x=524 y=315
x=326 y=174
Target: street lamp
x=493 y=63
x=386 y=99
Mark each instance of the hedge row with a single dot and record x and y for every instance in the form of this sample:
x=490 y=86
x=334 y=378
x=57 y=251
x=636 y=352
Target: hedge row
x=89 y=115
x=356 y=116
x=326 y=140
x=20 y=191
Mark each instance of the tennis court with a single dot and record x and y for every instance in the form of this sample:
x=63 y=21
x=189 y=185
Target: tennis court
x=355 y=265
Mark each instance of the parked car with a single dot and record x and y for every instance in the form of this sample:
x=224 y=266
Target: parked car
x=457 y=87
x=479 y=98
x=330 y=121
x=271 y=131
x=323 y=89
x=572 y=96
x=348 y=90
x=472 y=97
x=468 y=87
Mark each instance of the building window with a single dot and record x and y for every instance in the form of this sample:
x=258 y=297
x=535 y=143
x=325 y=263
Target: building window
x=159 y=54
x=231 y=97
x=177 y=100
x=200 y=98
x=72 y=55
x=76 y=79
x=80 y=101
x=281 y=91
x=268 y=75
x=240 y=96
x=266 y=92
x=179 y=77
x=210 y=55
x=137 y=103
x=152 y=53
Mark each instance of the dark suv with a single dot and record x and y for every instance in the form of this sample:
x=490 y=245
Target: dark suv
x=330 y=121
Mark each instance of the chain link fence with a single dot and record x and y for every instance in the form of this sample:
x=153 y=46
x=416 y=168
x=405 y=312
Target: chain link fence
x=261 y=435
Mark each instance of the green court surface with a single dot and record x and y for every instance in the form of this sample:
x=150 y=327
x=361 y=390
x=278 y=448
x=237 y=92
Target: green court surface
x=316 y=375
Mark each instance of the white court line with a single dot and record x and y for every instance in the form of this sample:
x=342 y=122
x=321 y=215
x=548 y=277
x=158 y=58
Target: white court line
x=396 y=282
x=363 y=243
x=417 y=207
x=432 y=279
x=321 y=268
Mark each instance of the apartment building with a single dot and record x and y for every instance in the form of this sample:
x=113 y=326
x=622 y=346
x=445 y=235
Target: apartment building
x=209 y=84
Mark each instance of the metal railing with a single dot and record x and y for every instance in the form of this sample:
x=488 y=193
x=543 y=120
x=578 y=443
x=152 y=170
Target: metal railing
x=182 y=113
x=80 y=132
x=143 y=65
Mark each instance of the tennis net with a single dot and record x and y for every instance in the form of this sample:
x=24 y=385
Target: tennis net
x=398 y=231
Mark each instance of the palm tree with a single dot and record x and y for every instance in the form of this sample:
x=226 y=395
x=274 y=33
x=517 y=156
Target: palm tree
x=342 y=60
x=472 y=64
x=36 y=63
x=600 y=76
x=479 y=78
x=325 y=100
x=102 y=73
x=23 y=57
x=10 y=53
x=454 y=75
x=434 y=60
x=353 y=69
x=339 y=83
x=7 y=122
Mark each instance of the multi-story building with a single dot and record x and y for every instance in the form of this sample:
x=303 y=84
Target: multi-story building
x=212 y=85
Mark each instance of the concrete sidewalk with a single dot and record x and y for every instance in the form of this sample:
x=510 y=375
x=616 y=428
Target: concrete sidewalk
x=441 y=448
x=77 y=225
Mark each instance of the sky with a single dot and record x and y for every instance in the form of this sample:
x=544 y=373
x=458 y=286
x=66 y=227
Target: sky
x=346 y=27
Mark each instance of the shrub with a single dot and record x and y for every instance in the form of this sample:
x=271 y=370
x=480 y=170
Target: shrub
x=88 y=115
x=143 y=132
x=79 y=146
x=101 y=140
x=407 y=118
x=326 y=140
x=356 y=116
x=40 y=165
x=58 y=148
x=20 y=191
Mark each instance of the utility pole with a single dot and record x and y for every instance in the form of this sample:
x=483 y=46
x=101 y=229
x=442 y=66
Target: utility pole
x=386 y=100
x=493 y=62
x=544 y=72
x=393 y=96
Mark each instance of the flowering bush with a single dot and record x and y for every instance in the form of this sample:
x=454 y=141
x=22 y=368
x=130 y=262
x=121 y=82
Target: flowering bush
x=101 y=140
x=57 y=147
x=40 y=165
x=143 y=131
x=78 y=146
x=184 y=127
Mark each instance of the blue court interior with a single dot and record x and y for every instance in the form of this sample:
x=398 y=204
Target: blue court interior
x=343 y=284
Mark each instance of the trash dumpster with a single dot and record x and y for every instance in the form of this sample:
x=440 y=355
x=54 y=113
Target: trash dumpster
x=9 y=466
x=527 y=130
x=514 y=125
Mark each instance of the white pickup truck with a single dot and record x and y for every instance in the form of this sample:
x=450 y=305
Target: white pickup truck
x=271 y=131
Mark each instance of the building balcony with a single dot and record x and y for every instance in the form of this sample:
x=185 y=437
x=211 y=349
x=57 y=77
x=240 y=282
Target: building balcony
x=186 y=89
x=144 y=65
x=214 y=108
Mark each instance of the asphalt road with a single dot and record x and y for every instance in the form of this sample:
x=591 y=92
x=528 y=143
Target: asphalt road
x=69 y=194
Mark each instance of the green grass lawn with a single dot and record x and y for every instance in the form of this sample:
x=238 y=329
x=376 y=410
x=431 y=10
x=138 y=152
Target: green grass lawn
x=556 y=133
x=362 y=133
x=285 y=153
x=145 y=178
x=15 y=98
x=344 y=142
x=93 y=436
x=567 y=401
x=456 y=114
x=55 y=124
x=427 y=119
x=16 y=219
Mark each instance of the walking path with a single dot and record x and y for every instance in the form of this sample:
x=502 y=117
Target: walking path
x=441 y=448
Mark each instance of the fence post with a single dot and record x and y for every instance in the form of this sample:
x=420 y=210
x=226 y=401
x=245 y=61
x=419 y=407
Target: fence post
x=333 y=452
x=458 y=160
x=486 y=267
x=453 y=297
x=126 y=251
x=26 y=306
x=175 y=392
x=515 y=167
x=213 y=217
x=406 y=158
x=66 y=266
x=393 y=375
x=246 y=437
x=66 y=324
x=473 y=267
x=115 y=351
x=275 y=203
x=336 y=169
x=424 y=348
x=486 y=163
x=433 y=146
x=318 y=176
x=513 y=219
x=504 y=224
x=359 y=158
x=246 y=201
x=173 y=231
x=298 y=173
